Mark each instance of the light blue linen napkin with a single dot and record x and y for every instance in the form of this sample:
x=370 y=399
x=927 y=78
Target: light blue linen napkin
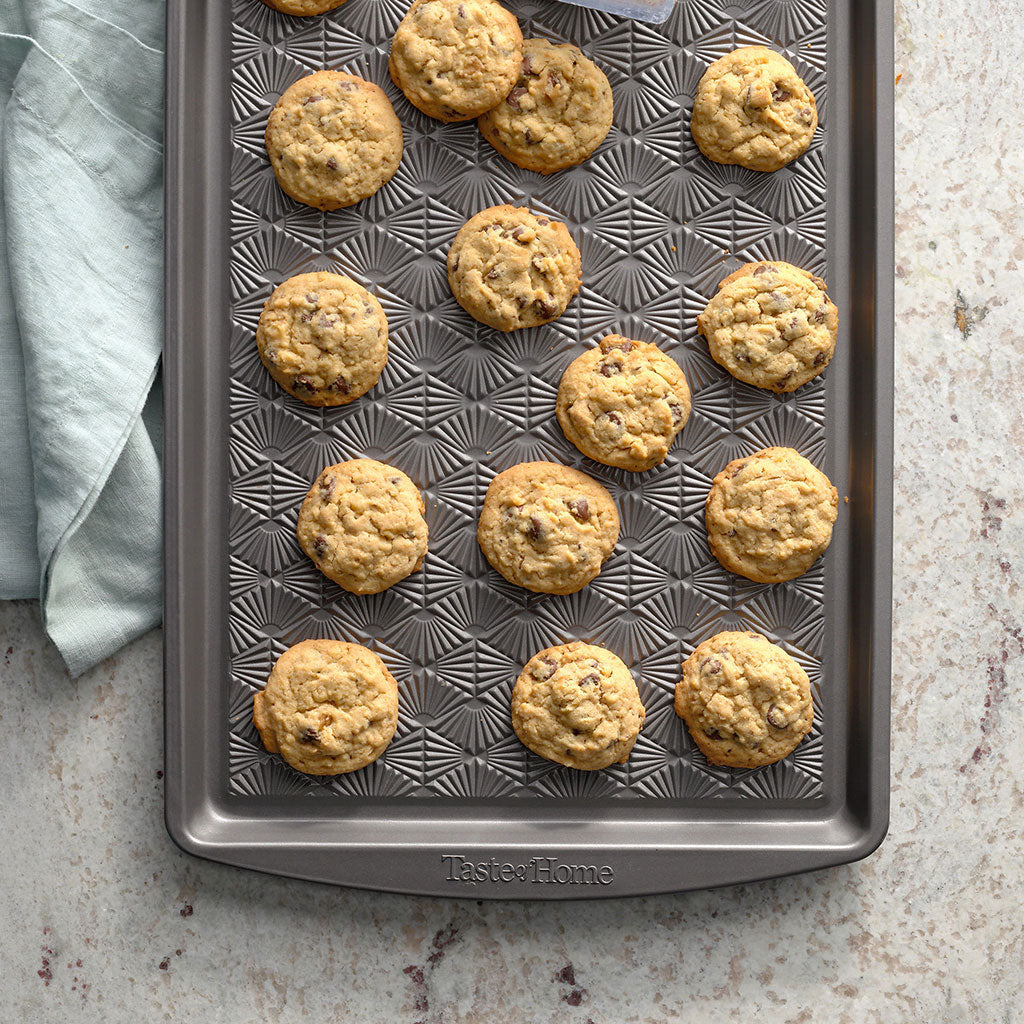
x=81 y=235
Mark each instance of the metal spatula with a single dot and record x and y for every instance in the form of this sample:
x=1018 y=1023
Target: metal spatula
x=654 y=11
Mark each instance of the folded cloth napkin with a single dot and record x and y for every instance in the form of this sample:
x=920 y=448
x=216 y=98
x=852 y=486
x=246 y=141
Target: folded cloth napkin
x=81 y=234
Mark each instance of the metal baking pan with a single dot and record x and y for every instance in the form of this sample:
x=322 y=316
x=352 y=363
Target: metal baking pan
x=456 y=806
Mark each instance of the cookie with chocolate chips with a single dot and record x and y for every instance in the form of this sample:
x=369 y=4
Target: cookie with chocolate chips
x=362 y=525
x=623 y=403
x=455 y=59
x=577 y=705
x=303 y=8
x=745 y=701
x=323 y=338
x=771 y=325
x=333 y=139
x=547 y=527
x=769 y=515
x=329 y=707
x=510 y=268
x=557 y=113
x=753 y=109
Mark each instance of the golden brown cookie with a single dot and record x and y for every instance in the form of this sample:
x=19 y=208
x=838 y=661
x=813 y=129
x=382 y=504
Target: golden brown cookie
x=303 y=8
x=362 y=524
x=333 y=139
x=329 y=707
x=510 y=268
x=558 y=112
x=623 y=403
x=577 y=705
x=753 y=109
x=547 y=527
x=771 y=325
x=745 y=701
x=455 y=59
x=323 y=338
x=769 y=515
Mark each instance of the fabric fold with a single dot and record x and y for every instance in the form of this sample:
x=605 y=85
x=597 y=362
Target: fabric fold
x=19 y=557
x=82 y=101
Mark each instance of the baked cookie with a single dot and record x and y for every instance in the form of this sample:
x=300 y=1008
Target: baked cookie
x=323 y=338
x=772 y=325
x=510 y=268
x=558 y=112
x=329 y=707
x=454 y=59
x=303 y=8
x=577 y=705
x=769 y=516
x=745 y=701
x=547 y=527
x=333 y=139
x=753 y=109
x=623 y=403
x=362 y=524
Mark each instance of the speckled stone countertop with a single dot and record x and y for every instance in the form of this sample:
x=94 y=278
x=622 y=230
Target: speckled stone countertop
x=103 y=919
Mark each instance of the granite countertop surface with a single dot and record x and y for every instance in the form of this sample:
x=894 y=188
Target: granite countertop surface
x=105 y=920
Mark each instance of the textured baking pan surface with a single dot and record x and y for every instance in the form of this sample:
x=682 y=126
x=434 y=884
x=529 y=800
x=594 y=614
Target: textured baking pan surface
x=658 y=226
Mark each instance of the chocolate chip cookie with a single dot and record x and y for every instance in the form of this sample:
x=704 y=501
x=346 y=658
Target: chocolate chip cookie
x=623 y=403
x=577 y=705
x=303 y=8
x=753 y=109
x=547 y=527
x=745 y=701
x=769 y=516
x=771 y=325
x=558 y=112
x=329 y=707
x=455 y=59
x=362 y=524
x=323 y=338
x=333 y=139
x=510 y=268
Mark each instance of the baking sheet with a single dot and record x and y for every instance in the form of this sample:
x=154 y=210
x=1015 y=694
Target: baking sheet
x=658 y=226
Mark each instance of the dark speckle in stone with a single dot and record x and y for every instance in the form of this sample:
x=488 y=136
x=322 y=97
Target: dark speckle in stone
x=966 y=317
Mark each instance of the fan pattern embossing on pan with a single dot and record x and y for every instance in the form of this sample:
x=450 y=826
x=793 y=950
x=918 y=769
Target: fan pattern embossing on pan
x=658 y=226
